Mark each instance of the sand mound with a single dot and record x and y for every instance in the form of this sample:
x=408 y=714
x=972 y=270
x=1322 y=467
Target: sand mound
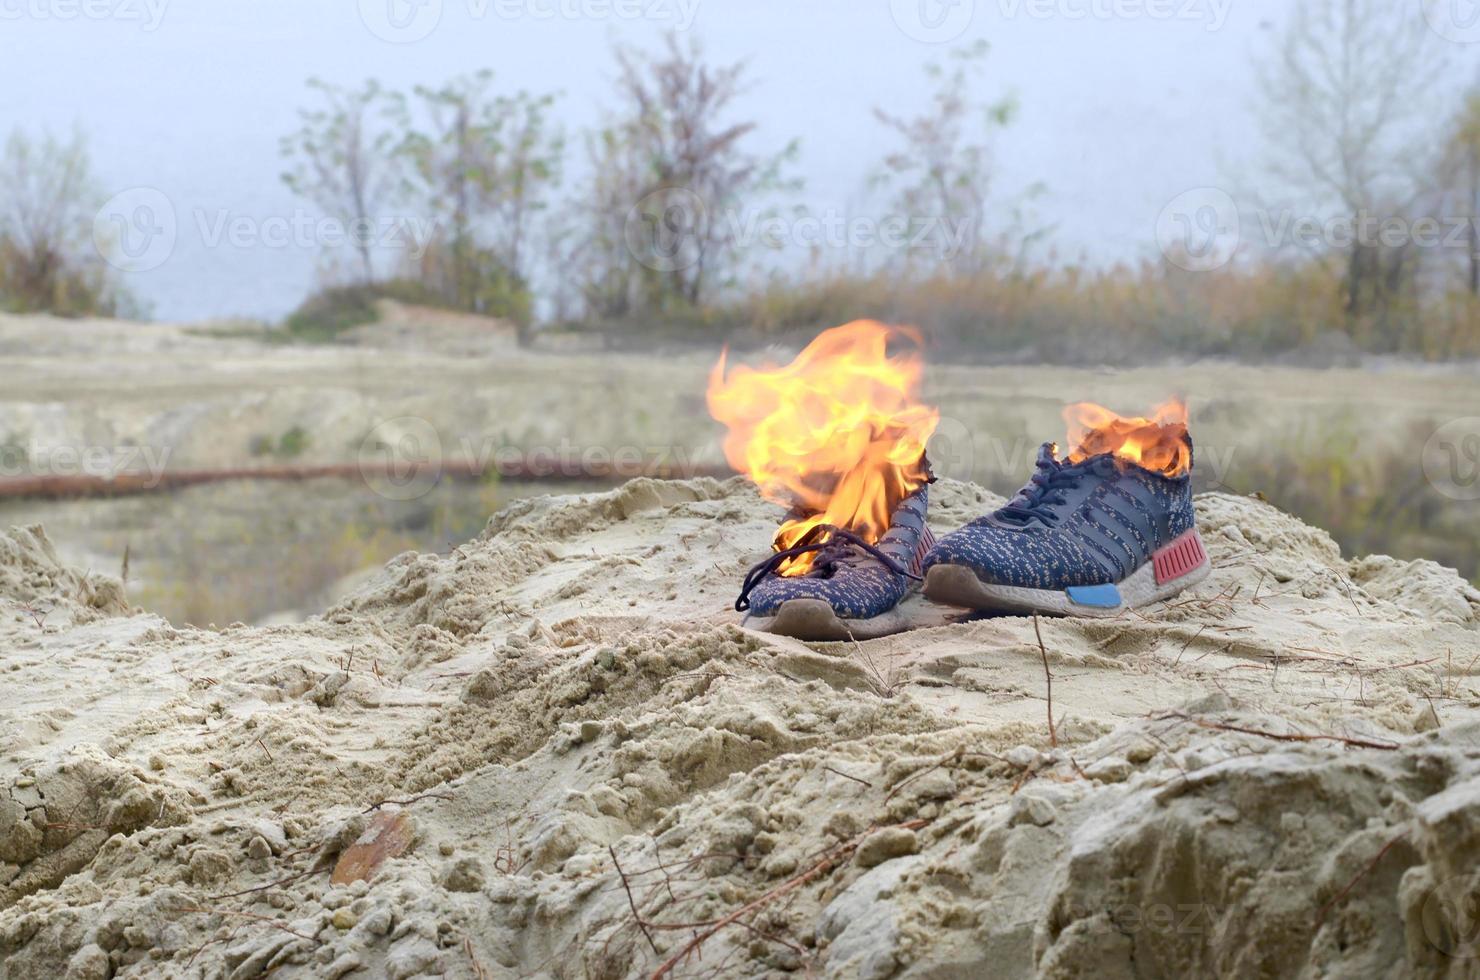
x=35 y=581
x=603 y=774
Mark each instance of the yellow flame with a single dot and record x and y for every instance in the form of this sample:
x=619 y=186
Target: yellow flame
x=838 y=434
x=1158 y=443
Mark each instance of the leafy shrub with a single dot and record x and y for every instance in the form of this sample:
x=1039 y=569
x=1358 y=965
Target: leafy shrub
x=289 y=445
x=463 y=276
x=329 y=312
x=49 y=261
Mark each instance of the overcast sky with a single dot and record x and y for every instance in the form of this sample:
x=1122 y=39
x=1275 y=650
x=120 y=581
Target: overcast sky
x=1124 y=103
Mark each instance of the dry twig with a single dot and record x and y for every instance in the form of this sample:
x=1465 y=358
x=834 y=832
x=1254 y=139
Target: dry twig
x=406 y=802
x=1360 y=743
x=856 y=779
x=631 y=902
x=1341 y=895
x=1053 y=734
x=479 y=973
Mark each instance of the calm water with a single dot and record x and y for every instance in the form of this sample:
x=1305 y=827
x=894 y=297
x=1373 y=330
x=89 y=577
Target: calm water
x=254 y=552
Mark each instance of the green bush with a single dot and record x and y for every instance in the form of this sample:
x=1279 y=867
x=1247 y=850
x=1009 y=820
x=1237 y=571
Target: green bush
x=466 y=277
x=292 y=443
x=289 y=445
x=331 y=311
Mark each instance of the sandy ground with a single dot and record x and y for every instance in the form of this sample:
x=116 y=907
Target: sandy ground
x=602 y=773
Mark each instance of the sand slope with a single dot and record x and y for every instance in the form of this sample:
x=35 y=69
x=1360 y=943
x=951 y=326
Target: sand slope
x=1278 y=774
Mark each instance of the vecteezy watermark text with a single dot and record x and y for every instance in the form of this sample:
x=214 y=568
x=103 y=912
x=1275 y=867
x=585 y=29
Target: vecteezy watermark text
x=139 y=228
x=669 y=228
x=1204 y=228
x=943 y=21
x=302 y=229
x=943 y=236
x=963 y=452
x=146 y=13
x=40 y=459
x=409 y=21
x=1286 y=227
x=1212 y=13
x=406 y=458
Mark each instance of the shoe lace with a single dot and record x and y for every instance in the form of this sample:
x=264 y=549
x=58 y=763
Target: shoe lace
x=839 y=544
x=1047 y=489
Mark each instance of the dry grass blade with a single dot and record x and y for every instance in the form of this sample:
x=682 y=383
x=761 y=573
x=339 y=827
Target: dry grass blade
x=885 y=684
x=1053 y=732
x=1360 y=743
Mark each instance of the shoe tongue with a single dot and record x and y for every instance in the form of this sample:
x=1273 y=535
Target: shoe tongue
x=1049 y=462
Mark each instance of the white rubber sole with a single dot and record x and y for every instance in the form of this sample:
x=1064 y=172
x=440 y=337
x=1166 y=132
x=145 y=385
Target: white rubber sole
x=957 y=585
x=813 y=620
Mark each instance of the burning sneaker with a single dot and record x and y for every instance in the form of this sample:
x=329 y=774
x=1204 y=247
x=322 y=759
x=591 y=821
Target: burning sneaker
x=852 y=588
x=837 y=436
x=1109 y=528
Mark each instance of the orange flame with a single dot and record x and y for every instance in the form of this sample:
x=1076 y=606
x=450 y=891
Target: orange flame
x=838 y=434
x=1158 y=444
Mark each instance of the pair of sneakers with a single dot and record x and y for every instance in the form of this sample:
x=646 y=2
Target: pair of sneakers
x=1091 y=536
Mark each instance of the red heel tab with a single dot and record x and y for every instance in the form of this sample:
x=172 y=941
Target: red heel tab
x=1178 y=558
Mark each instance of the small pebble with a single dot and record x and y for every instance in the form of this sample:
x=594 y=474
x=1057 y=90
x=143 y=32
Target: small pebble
x=887 y=844
x=1033 y=810
x=1109 y=770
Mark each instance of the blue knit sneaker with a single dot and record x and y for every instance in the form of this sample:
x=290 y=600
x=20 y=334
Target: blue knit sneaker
x=1091 y=538
x=853 y=588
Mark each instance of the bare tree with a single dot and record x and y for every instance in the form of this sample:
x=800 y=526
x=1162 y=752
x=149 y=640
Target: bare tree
x=943 y=171
x=602 y=261
x=1346 y=94
x=343 y=158
x=485 y=168
x=672 y=175
x=48 y=201
x=1460 y=173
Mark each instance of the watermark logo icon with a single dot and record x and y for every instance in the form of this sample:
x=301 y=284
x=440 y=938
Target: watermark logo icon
x=401 y=21
x=952 y=449
x=933 y=21
x=1451 y=918
x=664 y=231
x=1199 y=230
x=401 y=458
x=1454 y=20
x=1451 y=459
x=135 y=230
